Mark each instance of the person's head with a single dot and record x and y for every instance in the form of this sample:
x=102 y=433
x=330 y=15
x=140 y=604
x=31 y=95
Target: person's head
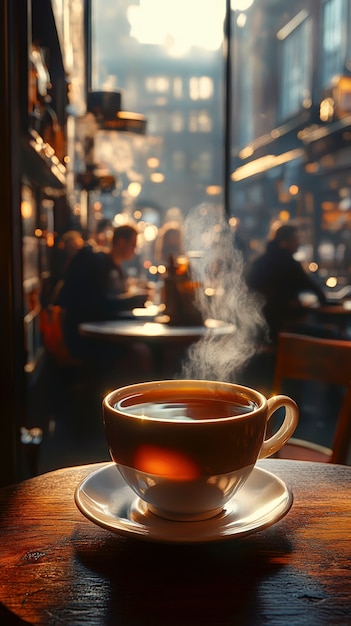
x=169 y=242
x=70 y=242
x=124 y=242
x=103 y=232
x=286 y=237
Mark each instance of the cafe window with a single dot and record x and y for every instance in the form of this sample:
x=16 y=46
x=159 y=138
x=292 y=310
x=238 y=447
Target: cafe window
x=168 y=65
x=179 y=160
x=205 y=164
x=296 y=65
x=177 y=122
x=172 y=70
x=199 y=122
x=157 y=84
x=178 y=88
x=200 y=88
x=333 y=39
x=158 y=122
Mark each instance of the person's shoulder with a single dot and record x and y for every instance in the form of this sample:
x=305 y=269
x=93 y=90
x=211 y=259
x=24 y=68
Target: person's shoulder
x=90 y=254
x=102 y=258
x=84 y=253
x=257 y=260
x=83 y=264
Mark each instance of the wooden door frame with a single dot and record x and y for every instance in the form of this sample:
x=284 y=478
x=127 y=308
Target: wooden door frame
x=13 y=77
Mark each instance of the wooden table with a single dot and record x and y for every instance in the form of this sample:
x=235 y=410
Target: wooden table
x=59 y=568
x=333 y=317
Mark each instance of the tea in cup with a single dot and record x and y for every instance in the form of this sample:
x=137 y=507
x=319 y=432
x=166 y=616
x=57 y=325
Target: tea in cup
x=186 y=447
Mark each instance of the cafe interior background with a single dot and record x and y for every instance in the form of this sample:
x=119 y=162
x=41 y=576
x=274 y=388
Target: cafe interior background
x=144 y=109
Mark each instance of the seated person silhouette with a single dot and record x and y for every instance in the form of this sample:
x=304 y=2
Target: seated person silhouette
x=280 y=279
x=95 y=290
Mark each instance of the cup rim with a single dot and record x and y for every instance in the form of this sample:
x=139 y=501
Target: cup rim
x=253 y=394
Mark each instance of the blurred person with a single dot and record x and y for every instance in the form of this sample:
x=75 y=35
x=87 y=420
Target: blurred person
x=65 y=250
x=68 y=245
x=73 y=241
x=102 y=236
x=280 y=279
x=96 y=289
x=70 y=242
x=169 y=243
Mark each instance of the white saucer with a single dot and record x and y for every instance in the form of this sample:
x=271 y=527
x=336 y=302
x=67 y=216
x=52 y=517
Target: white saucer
x=105 y=499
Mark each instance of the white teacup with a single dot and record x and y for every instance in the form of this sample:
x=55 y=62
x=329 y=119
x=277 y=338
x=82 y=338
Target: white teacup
x=187 y=446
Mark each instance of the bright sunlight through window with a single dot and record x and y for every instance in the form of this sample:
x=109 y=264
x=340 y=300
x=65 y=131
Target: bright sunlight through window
x=177 y=26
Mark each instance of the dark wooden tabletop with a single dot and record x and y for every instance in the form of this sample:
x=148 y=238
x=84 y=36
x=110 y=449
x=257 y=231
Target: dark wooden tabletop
x=59 y=568
x=335 y=317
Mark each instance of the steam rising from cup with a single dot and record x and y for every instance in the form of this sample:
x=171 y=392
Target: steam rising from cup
x=219 y=267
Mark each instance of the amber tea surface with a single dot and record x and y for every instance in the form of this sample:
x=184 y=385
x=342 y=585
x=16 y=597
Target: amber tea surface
x=186 y=407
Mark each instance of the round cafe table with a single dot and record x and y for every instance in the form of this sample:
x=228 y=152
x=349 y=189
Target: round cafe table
x=160 y=337
x=152 y=331
x=57 y=567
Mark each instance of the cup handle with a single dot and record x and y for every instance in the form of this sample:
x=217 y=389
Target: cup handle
x=287 y=428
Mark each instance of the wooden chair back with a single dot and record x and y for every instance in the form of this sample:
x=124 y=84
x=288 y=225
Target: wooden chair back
x=305 y=358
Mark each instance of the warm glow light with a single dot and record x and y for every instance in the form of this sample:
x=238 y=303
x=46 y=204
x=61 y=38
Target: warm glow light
x=50 y=240
x=146 y=311
x=26 y=209
x=294 y=190
x=267 y=162
x=137 y=214
x=313 y=267
x=153 y=162
x=345 y=204
x=241 y=5
x=209 y=291
x=213 y=190
x=332 y=281
x=233 y=222
x=312 y=168
x=174 y=26
x=290 y=26
x=157 y=177
x=167 y=463
x=153 y=270
x=241 y=20
x=161 y=269
x=134 y=189
x=284 y=216
x=150 y=232
x=246 y=152
x=120 y=219
x=326 y=109
x=153 y=330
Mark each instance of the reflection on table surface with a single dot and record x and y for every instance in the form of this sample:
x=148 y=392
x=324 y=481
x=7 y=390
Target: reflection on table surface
x=145 y=329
